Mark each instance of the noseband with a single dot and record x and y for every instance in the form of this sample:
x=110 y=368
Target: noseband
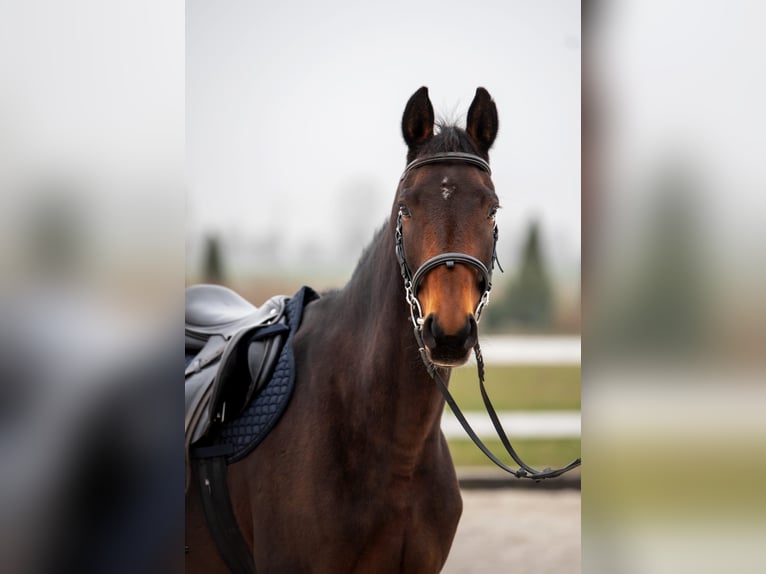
x=412 y=286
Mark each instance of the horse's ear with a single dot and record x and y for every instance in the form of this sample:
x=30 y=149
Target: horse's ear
x=482 y=123
x=418 y=119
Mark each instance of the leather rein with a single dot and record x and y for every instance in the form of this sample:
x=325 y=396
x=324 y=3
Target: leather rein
x=412 y=285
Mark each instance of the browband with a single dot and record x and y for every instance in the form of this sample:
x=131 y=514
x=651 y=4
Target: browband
x=447 y=156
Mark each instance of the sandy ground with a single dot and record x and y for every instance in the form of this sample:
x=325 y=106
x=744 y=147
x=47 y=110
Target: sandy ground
x=517 y=531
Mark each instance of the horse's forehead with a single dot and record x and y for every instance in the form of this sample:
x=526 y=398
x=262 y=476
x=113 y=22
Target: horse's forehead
x=446 y=179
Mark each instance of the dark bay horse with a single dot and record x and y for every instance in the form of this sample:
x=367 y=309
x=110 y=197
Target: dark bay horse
x=357 y=476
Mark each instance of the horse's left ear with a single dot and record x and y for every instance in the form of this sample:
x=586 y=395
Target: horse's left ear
x=482 y=123
x=418 y=120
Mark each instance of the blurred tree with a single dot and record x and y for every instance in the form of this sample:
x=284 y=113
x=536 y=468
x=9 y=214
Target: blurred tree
x=212 y=268
x=529 y=299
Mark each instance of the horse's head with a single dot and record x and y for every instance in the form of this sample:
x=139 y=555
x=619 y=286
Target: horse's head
x=445 y=206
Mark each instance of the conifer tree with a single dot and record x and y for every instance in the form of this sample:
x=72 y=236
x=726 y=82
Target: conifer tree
x=529 y=299
x=212 y=268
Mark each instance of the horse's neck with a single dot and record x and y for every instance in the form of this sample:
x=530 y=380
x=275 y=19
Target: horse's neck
x=391 y=379
x=375 y=298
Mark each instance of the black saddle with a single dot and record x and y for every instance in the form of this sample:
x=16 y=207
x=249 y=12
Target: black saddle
x=231 y=350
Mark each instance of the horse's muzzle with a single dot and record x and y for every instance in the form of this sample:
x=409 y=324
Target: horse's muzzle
x=449 y=349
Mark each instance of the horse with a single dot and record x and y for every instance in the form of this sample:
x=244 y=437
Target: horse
x=357 y=476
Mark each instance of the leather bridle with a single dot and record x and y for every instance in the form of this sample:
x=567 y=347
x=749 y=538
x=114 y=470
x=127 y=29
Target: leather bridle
x=411 y=287
x=412 y=281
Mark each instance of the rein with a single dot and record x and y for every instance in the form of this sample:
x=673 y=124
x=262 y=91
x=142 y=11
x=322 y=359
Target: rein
x=411 y=286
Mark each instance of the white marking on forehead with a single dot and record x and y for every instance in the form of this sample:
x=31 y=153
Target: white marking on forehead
x=447 y=189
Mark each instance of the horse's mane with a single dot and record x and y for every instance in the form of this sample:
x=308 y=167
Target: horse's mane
x=369 y=251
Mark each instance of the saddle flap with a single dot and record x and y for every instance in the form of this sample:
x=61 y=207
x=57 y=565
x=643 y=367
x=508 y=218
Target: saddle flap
x=245 y=367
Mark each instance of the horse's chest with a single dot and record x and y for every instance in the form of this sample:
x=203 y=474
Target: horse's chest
x=407 y=528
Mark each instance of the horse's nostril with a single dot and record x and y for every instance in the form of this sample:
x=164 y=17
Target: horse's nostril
x=432 y=332
x=473 y=333
x=436 y=329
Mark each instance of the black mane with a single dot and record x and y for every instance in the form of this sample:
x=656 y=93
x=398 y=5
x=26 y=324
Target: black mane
x=370 y=252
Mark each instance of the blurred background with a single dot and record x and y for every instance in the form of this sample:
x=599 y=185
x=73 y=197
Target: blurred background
x=91 y=286
x=674 y=277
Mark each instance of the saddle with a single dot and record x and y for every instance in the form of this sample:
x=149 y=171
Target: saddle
x=231 y=348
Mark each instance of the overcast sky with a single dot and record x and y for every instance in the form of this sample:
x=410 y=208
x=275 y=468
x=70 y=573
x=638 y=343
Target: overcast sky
x=294 y=110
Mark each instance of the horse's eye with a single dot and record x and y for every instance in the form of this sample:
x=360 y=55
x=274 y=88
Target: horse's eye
x=403 y=211
x=492 y=213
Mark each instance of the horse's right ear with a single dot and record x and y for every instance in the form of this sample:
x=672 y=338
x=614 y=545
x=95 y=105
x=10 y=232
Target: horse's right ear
x=418 y=119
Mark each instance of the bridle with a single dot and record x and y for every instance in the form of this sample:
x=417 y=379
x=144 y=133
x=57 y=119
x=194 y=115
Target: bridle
x=411 y=287
x=412 y=281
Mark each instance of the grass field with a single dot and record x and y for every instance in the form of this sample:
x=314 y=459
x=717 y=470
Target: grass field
x=515 y=388
x=519 y=387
